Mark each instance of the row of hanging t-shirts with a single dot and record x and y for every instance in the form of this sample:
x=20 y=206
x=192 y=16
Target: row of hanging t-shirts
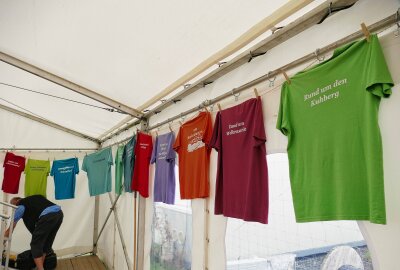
x=329 y=113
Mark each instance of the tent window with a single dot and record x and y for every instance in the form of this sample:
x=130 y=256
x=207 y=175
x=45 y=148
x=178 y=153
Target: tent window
x=172 y=234
x=285 y=244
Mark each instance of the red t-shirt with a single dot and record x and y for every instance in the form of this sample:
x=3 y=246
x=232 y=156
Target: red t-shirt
x=191 y=144
x=13 y=167
x=242 y=174
x=143 y=150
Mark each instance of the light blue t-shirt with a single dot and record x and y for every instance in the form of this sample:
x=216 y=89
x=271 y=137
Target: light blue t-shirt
x=64 y=173
x=98 y=168
x=19 y=213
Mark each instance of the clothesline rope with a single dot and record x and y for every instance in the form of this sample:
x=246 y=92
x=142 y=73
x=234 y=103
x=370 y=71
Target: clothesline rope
x=61 y=98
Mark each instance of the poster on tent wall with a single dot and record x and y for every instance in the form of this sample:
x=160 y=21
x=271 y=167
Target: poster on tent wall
x=171 y=237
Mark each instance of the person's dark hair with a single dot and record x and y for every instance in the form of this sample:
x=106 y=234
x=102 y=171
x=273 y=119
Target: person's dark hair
x=15 y=200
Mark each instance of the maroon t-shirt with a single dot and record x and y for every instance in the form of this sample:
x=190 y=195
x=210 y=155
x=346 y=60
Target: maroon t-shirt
x=242 y=174
x=140 y=177
x=13 y=167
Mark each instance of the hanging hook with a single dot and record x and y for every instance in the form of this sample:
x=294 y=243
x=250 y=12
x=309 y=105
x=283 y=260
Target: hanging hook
x=235 y=95
x=318 y=55
x=271 y=82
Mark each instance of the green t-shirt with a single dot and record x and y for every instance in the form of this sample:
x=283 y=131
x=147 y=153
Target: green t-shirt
x=330 y=115
x=36 y=172
x=119 y=166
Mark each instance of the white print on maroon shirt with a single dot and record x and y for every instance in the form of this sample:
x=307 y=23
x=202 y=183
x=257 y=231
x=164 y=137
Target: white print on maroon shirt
x=237 y=128
x=12 y=163
x=195 y=140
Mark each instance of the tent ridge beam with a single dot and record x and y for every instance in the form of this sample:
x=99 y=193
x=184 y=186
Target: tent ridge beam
x=11 y=60
x=49 y=123
x=294 y=28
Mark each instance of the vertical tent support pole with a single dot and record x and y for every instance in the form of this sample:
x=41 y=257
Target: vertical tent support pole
x=141 y=220
x=96 y=224
x=119 y=230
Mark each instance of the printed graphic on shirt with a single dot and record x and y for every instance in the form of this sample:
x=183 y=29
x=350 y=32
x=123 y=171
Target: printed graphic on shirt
x=195 y=140
x=236 y=128
x=13 y=163
x=325 y=93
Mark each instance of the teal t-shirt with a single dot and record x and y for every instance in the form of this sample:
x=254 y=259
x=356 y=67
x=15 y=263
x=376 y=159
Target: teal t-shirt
x=119 y=165
x=128 y=158
x=64 y=173
x=98 y=168
x=330 y=115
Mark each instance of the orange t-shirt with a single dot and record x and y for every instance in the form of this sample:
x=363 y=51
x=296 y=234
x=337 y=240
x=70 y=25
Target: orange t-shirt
x=191 y=144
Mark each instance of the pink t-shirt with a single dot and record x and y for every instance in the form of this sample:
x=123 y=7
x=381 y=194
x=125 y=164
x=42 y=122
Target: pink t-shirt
x=242 y=175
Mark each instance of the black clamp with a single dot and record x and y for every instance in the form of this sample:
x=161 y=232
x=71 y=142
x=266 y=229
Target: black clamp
x=254 y=55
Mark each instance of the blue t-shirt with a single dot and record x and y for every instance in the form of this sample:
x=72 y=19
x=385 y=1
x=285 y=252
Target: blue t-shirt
x=64 y=173
x=128 y=158
x=98 y=168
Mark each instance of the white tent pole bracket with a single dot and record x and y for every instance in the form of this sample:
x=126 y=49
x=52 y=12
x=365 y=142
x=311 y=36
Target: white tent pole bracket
x=6 y=58
x=49 y=123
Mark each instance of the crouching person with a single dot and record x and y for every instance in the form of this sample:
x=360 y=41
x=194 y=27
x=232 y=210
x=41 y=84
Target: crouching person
x=42 y=218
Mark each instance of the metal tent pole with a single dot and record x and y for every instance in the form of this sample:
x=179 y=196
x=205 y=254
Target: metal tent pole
x=380 y=25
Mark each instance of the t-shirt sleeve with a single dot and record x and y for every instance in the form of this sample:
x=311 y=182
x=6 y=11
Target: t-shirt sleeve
x=52 y=169
x=378 y=79
x=171 y=154
x=84 y=165
x=259 y=129
x=154 y=152
x=110 y=157
x=48 y=167
x=5 y=159
x=23 y=164
x=282 y=122
x=215 y=141
x=177 y=143
x=19 y=213
x=76 y=166
x=26 y=169
x=208 y=130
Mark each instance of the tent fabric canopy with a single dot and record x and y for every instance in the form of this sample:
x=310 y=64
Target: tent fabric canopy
x=127 y=51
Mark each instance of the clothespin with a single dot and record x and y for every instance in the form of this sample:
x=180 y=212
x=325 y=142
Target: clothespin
x=286 y=76
x=219 y=107
x=366 y=32
x=256 y=92
x=180 y=122
x=170 y=128
x=156 y=133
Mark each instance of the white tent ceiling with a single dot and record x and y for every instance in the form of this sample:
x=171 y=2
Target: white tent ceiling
x=126 y=50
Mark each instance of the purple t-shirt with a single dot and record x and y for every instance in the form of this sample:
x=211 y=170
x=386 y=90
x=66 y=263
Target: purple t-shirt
x=242 y=174
x=164 y=157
